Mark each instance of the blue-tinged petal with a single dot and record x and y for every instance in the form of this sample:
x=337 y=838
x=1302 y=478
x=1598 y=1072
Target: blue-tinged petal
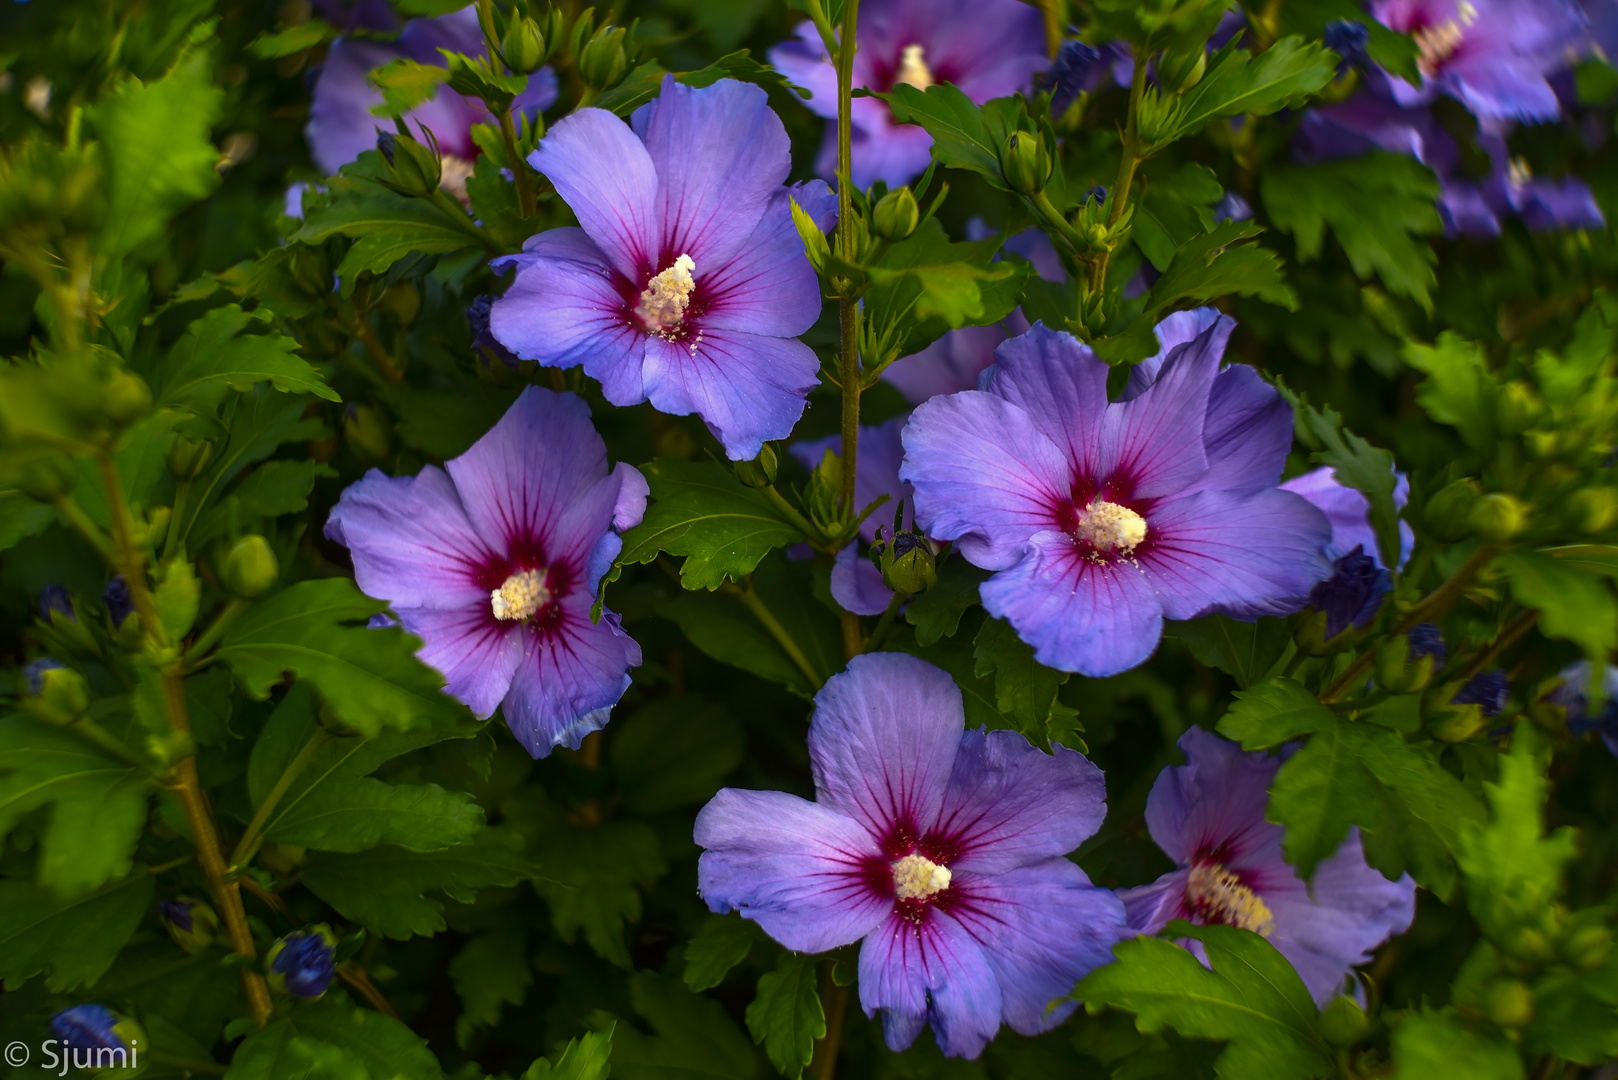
x=476 y=653
x=1348 y=511
x=936 y=970
x=856 y=584
x=606 y=177
x=574 y=673
x=411 y=540
x=720 y=154
x=1177 y=329
x=1215 y=801
x=747 y=388
x=1093 y=618
x=1010 y=804
x=883 y=740
x=1155 y=440
x=795 y=867
x=947 y=366
x=1062 y=385
x=1042 y=927
x=632 y=492
x=769 y=287
x=985 y=475
x=341 y=126
x=1149 y=908
x=1247 y=434
x=803 y=62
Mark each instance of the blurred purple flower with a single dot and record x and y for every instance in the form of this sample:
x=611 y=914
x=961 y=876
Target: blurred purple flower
x=1353 y=594
x=341 y=125
x=986 y=48
x=942 y=848
x=89 y=1028
x=1100 y=520
x=1349 y=512
x=494 y=564
x=1070 y=74
x=477 y=314
x=1208 y=816
x=1574 y=696
x=687 y=284
x=1426 y=640
x=1494 y=56
x=947 y=366
x=56 y=598
x=1489 y=690
x=120 y=604
x=358 y=14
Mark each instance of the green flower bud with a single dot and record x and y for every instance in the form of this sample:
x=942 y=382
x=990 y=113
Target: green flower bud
x=1447 y=510
x=760 y=472
x=524 y=46
x=1542 y=445
x=56 y=693
x=895 y=215
x=1519 y=407
x=1529 y=943
x=282 y=858
x=603 y=62
x=1594 y=510
x=1025 y=163
x=413 y=169
x=127 y=398
x=187 y=459
x=907 y=563
x=191 y=923
x=1588 y=947
x=1395 y=672
x=1458 y=723
x=48 y=478
x=251 y=569
x=1343 y=1022
x=1509 y=1003
x=1498 y=517
x=1178 y=70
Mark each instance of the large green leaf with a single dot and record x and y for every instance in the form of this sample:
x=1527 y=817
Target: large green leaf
x=1459 y=389
x=1173 y=207
x=593 y=882
x=1574 y=604
x=1024 y=689
x=72 y=941
x=490 y=972
x=964 y=135
x=723 y=942
x=386 y=227
x=300 y=1045
x=214 y=357
x=786 y=1016
x=1285 y=74
x=1217 y=264
x=1248 y=652
x=588 y=1058
x=693 y=1037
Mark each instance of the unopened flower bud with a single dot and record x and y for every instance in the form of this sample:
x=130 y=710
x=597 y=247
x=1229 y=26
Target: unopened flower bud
x=1446 y=512
x=1397 y=671
x=282 y=858
x=120 y=604
x=908 y=565
x=55 y=692
x=191 y=923
x=895 y=215
x=1498 y=517
x=1488 y=690
x=1529 y=943
x=603 y=62
x=48 y=478
x=1509 y=1003
x=1594 y=509
x=412 y=168
x=127 y=398
x=1025 y=163
x=1180 y=69
x=251 y=568
x=524 y=46
x=1519 y=407
x=302 y=964
x=1542 y=445
x=111 y=1041
x=186 y=459
x=1343 y=1022
x=1588 y=947
x=1353 y=594
x=760 y=472
x=56 y=600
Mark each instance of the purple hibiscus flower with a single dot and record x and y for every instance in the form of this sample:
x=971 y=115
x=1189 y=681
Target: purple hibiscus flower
x=941 y=848
x=950 y=364
x=1359 y=581
x=1208 y=816
x=1495 y=56
x=1100 y=520
x=341 y=125
x=1585 y=714
x=687 y=284
x=986 y=48
x=493 y=561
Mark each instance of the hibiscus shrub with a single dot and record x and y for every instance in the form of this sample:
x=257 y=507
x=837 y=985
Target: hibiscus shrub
x=862 y=538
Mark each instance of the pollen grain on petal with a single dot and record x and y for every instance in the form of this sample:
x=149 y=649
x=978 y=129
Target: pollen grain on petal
x=521 y=596
x=664 y=301
x=1218 y=896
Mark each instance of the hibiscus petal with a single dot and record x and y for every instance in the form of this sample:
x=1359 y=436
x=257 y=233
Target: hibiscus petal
x=720 y=153
x=1078 y=615
x=411 y=540
x=341 y=126
x=1010 y=804
x=803 y=63
x=1062 y=385
x=984 y=475
x=794 y=867
x=1246 y=555
x=1043 y=928
x=769 y=287
x=572 y=676
x=747 y=388
x=947 y=366
x=883 y=741
x=1149 y=908
x=857 y=585
x=524 y=479
x=606 y=177
x=935 y=971
x=1247 y=433
x=1216 y=800
x=632 y=492
x=1156 y=439
x=476 y=654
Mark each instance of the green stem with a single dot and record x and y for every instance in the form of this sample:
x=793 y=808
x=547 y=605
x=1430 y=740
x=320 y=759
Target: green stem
x=210 y=637
x=1118 y=197
x=249 y=844
x=834 y=999
x=527 y=199
x=848 y=311
x=788 y=511
x=130 y=562
x=885 y=622
x=764 y=615
x=1509 y=636
x=76 y=517
x=181 y=491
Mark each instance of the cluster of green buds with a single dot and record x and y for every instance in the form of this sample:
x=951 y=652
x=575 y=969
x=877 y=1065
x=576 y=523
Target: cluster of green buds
x=603 y=55
x=527 y=44
x=1532 y=963
x=880 y=219
x=413 y=169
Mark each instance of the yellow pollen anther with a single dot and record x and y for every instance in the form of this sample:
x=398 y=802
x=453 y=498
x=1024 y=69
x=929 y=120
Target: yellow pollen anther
x=1517 y=172
x=916 y=877
x=1111 y=527
x=662 y=306
x=913 y=68
x=1219 y=896
x=453 y=174
x=1438 y=43
x=522 y=595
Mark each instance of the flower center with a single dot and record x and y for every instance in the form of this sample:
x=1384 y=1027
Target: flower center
x=1517 y=171
x=1439 y=42
x=1111 y=527
x=523 y=594
x=453 y=174
x=663 y=303
x=916 y=877
x=1218 y=896
x=913 y=68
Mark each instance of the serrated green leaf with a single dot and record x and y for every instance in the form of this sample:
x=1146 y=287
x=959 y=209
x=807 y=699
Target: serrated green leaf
x=214 y=357
x=1286 y=74
x=723 y=942
x=926 y=286
x=1430 y=1043
x=1273 y=713
x=405 y=83
x=1173 y=208
x=385 y=889
x=291 y=1047
x=21 y=517
x=694 y=1039
x=1357 y=464
x=386 y=227
x=701 y=511
x=1459 y=389
x=587 y=1058
x=593 y=880
x=964 y=135
x=72 y=941
x=1024 y=689
x=272 y=490
x=1217 y=264
x=1252 y=998
x=1378 y=207
x=1248 y=652
x=490 y=972
x=1574 y=604
x=294 y=39
x=786 y=1016
x=317 y=630
x=937 y=612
